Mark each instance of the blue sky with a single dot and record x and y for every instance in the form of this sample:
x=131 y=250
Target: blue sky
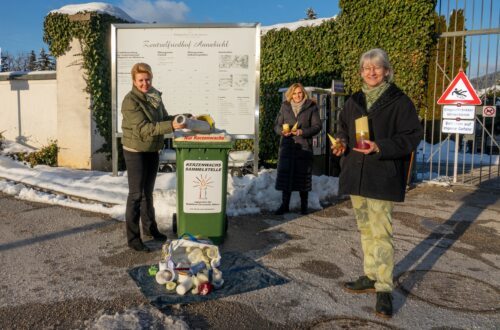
x=21 y=22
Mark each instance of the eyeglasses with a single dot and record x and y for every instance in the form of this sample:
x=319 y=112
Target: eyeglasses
x=374 y=68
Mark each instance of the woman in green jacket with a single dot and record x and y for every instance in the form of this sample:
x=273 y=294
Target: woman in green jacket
x=144 y=123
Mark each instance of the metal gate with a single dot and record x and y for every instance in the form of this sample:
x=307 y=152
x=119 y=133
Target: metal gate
x=468 y=38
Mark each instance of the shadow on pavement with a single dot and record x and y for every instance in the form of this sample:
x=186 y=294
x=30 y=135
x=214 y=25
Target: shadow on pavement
x=59 y=234
x=425 y=255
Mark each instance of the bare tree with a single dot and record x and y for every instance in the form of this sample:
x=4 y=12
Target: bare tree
x=311 y=14
x=20 y=62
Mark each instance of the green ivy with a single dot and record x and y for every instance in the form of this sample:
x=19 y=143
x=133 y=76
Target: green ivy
x=405 y=29
x=447 y=53
x=308 y=55
x=93 y=34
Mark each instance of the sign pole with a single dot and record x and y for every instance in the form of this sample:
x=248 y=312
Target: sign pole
x=460 y=91
x=455 y=163
x=455 y=156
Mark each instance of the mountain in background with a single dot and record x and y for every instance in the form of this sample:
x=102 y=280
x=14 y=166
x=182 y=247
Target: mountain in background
x=486 y=81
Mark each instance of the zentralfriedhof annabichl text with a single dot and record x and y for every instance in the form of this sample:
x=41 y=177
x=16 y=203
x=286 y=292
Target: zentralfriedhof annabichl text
x=187 y=44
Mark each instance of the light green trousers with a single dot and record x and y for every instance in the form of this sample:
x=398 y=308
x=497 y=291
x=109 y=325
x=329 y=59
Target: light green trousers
x=374 y=221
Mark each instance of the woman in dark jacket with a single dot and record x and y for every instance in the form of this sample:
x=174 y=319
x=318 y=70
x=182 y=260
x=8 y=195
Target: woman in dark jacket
x=144 y=123
x=375 y=175
x=300 y=116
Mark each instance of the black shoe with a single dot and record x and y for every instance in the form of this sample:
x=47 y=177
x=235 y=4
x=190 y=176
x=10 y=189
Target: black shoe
x=383 y=308
x=362 y=285
x=160 y=237
x=139 y=246
x=304 y=202
x=282 y=210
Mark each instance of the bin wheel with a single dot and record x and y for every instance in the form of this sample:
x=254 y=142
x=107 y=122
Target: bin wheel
x=236 y=172
x=167 y=168
x=174 y=223
x=226 y=224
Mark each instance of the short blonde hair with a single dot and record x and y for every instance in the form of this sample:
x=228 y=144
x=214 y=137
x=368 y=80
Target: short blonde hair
x=141 y=68
x=379 y=57
x=289 y=92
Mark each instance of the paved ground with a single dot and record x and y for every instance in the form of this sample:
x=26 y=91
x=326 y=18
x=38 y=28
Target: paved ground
x=64 y=268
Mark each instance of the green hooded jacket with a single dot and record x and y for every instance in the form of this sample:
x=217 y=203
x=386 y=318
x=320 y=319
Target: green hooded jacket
x=143 y=126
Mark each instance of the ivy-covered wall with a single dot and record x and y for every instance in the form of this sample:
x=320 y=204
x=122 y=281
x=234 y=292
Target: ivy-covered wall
x=405 y=29
x=93 y=31
x=308 y=55
x=448 y=54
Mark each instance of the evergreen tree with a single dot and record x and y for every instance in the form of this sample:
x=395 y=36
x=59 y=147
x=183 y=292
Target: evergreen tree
x=311 y=14
x=45 y=62
x=5 y=62
x=32 y=65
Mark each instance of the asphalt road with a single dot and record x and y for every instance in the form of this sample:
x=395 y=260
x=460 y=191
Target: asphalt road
x=63 y=268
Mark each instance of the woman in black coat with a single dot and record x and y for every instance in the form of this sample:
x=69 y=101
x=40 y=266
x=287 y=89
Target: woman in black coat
x=297 y=122
x=374 y=172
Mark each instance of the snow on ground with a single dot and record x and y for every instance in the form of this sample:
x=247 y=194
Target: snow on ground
x=145 y=317
x=246 y=195
x=445 y=151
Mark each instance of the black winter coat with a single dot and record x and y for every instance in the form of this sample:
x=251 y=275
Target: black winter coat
x=295 y=153
x=395 y=128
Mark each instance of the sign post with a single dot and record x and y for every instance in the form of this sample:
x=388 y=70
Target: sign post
x=457 y=118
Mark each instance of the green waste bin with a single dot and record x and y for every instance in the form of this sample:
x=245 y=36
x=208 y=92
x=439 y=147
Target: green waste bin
x=202 y=186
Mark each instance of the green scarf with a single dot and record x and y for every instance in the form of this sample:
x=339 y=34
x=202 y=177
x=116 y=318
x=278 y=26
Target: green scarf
x=372 y=94
x=153 y=96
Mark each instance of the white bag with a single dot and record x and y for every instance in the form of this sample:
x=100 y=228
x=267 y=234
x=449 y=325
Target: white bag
x=185 y=253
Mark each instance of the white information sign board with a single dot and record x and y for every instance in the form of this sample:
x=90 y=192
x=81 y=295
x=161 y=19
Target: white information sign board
x=462 y=112
x=200 y=69
x=202 y=186
x=458 y=126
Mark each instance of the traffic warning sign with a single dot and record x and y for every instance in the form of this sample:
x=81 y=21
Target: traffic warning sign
x=460 y=91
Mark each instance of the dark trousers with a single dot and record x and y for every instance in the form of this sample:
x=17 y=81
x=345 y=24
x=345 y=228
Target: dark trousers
x=142 y=168
x=286 y=195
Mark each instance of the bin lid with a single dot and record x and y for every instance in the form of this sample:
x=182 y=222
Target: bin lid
x=204 y=141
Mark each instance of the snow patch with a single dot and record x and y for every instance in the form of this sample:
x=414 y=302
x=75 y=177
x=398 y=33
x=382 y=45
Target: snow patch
x=292 y=26
x=99 y=7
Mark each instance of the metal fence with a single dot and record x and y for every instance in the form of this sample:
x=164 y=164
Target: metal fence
x=468 y=39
